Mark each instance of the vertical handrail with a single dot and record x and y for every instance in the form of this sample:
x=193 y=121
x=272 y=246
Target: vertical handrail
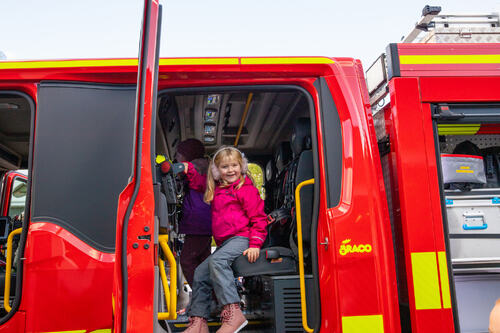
x=8 y=269
x=243 y=118
x=301 y=255
x=170 y=291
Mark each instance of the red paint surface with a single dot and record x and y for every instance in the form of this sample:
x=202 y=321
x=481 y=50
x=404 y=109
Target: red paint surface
x=66 y=283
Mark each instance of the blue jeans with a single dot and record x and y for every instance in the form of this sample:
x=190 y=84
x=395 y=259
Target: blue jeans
x=216 y=274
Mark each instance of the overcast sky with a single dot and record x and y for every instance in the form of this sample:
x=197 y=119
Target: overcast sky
x=57 y=29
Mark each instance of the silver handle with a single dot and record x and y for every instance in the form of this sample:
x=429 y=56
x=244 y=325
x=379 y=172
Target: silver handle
x=325 y=243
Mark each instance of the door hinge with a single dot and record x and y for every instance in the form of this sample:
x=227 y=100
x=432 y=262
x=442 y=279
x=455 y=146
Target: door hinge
x=384 y=146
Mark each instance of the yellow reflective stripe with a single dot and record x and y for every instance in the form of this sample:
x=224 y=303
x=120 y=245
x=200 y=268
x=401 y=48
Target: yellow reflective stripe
x=114 y=62
x=68 y=63
x=286 y=61
x=462 y=129
x=363 y=324
x=445 y=283
x=199 y=61
x=163 y=62
x=425 y=280
x=449 y=59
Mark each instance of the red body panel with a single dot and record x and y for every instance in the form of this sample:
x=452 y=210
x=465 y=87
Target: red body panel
x=418 y=188
x=364 y=283
x=66 y=280
x=447 y=60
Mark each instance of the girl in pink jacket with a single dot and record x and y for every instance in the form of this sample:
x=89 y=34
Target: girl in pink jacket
x=238 y=226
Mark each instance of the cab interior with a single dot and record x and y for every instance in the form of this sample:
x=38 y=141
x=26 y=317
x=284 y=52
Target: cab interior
x=275 y=128
x=15 y=133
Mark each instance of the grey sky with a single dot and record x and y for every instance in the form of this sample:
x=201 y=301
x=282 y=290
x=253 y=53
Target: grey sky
x=361 y=29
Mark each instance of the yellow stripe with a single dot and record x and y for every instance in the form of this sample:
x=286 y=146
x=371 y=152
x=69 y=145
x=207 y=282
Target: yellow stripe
x=68 y=63
x=464 y=171
x=114 y=62
x=163 y=62
x=450 y=59
x=363 y=324
x=462 y=129
x=445 y=283
x=286 y=61
x=425 y=280
x=199 y=61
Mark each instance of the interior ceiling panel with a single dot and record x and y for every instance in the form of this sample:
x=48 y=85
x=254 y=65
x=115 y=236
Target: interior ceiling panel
x=269 y=120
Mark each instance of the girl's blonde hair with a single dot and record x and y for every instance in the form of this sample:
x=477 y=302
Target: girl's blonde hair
x=213 y=176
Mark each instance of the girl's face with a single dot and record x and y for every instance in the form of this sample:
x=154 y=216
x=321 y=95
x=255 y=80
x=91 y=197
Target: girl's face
x=230 y=170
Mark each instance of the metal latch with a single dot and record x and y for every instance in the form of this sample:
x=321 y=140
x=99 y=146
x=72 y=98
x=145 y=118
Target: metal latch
x=474 y=220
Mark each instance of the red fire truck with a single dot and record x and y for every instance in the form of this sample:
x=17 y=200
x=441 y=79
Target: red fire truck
x=96 y=247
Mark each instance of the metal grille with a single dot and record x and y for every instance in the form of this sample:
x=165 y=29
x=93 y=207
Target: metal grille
x=463 y=35
x=482 y=141
x=292 y=310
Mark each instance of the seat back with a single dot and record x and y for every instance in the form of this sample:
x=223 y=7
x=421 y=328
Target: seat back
x=303 y=170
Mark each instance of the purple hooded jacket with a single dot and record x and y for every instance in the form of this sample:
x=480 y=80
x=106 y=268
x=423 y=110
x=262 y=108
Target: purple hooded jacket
x=196 y=218
x=235 y=212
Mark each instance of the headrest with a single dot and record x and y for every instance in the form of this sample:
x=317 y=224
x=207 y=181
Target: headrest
x=270 y=170
x=283 y=155
x=301 y=137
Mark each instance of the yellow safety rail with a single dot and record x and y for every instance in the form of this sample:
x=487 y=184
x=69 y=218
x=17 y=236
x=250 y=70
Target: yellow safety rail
x=170 y=292
x=301 y=255
x=243 y=118
x=8 y=269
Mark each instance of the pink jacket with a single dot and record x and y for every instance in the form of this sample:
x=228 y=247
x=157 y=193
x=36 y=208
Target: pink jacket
x=235 y=212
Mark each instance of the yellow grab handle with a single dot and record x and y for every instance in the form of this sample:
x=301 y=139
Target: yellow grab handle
x=170 y=292
x=301 y=254
x=8 y=269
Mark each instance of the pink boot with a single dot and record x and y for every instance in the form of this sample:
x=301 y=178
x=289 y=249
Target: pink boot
x=197 y=325
x=232 y=319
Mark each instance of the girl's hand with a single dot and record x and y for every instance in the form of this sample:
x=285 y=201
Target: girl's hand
x=186 y=166
x=252 y=253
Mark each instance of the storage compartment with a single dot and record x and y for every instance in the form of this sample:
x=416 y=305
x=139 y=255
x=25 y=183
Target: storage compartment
x=476 y=296
x=469 y=143
x=474 y=229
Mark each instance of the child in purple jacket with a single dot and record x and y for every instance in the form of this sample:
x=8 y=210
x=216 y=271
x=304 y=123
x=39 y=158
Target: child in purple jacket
x=196 y=222
x=238 y=226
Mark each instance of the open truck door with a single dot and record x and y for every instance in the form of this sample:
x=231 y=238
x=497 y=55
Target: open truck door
x=134 y=277
x=88 y=173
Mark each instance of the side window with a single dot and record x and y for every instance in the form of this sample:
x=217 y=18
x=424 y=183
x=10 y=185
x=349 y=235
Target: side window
x=258 y=177
x=83 y=157
x=17 y=199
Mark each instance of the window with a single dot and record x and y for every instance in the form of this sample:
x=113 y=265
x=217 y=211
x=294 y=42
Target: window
x=17 y=200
